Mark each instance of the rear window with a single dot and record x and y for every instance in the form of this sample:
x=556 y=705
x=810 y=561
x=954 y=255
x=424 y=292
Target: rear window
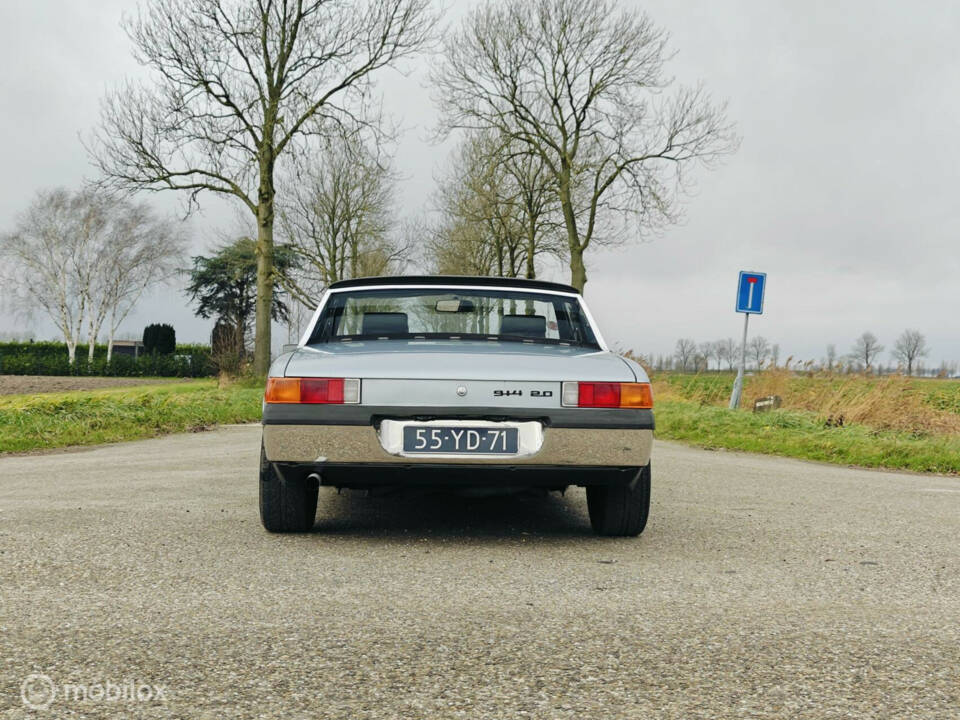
x=450 y=313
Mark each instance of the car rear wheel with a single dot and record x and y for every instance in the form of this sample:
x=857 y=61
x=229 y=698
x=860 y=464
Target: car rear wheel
x=620 y=510
x=287 y=505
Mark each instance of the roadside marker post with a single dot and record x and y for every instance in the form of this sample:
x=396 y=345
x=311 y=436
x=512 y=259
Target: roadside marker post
x=750 y=292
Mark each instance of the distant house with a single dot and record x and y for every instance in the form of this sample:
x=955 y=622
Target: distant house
x=133 y=348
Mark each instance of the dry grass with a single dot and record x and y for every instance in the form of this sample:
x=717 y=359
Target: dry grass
x=893 y=402
x=886 y=403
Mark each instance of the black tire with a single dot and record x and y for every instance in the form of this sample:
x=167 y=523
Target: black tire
x=619 y=510
x=288 y=505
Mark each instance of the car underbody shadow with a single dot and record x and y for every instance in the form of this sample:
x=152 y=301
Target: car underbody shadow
x=448 y=513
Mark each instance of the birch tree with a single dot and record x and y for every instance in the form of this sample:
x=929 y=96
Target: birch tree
x=85 y=258
x=582 y=85
x=240 y=86
x=139 y=249
x=44 y=263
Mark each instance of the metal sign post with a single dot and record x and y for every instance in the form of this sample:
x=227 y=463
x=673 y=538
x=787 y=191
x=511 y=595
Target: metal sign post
x=750 y=291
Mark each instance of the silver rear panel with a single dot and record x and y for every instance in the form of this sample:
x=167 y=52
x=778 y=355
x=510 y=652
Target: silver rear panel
x=460 y=393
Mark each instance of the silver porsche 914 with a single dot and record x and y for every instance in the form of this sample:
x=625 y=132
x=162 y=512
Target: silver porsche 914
x=473 y=382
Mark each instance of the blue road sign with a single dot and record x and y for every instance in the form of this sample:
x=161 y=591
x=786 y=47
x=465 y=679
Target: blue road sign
x=750 y=292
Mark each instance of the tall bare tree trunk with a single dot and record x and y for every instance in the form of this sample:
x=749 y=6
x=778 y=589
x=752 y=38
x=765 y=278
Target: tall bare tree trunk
x=264 y=304
x=531 y=250
x=93 y=333
x=112 y=325
x=578 y=271
x=91 y=341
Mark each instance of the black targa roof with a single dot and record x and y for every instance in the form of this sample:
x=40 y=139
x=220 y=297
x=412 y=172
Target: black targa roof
x=455 y=280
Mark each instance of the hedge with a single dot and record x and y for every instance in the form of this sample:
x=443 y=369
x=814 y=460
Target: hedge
x=50 y=358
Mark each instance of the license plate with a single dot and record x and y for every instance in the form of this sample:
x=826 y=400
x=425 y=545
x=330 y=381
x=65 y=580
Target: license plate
x=460 y=440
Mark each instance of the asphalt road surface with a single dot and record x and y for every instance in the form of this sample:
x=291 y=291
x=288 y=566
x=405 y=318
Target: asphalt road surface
x=762 y=588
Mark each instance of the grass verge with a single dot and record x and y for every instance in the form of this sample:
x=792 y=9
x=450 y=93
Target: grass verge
x=802 y=434
x=51 y=420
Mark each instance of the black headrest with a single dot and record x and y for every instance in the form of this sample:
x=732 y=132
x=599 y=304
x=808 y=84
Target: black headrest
x=531 y=326
x=384 y=323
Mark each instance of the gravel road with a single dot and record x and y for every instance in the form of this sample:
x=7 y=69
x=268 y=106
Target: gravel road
x=762 y=588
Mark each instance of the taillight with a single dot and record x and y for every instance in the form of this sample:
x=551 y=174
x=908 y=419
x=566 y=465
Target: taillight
x=327 y=391
x=607 y=395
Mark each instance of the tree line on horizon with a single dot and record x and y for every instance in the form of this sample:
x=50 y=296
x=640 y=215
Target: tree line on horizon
x=908 y=352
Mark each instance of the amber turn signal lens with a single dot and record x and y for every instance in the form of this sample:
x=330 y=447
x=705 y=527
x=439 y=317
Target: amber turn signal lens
x=282 y=390
x=636 y=395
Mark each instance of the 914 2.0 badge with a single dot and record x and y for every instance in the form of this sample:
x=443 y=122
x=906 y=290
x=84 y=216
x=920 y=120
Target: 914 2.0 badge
x=519 y=393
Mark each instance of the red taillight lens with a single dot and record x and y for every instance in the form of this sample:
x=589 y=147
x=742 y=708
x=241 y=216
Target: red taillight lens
x=599 y=395
x=607 y=395
x=328 y=391
x=321 y=390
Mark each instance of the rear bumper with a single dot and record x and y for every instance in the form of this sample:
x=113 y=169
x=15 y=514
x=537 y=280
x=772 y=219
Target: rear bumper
x=570 y=447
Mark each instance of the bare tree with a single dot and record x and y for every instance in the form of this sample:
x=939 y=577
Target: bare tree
x=831 y=356
x=866 y=349
x=337 y=216
x=684 y=352
x=728 y=351
x=759 y=349
x=45 y=260
x=707 y=351
x=476 y=206
x=910 y=347
x=581 y=84
x=240 y=86
x=141 y=249
x=85 y=258
x=535 y=200
x=497 y=195
x=455 y=247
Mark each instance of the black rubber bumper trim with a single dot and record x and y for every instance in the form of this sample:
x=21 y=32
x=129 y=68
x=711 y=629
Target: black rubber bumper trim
x=588 y=418
x=361 y=475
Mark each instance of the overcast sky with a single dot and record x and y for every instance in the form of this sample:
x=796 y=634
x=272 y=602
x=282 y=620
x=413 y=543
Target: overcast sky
x=844 y=189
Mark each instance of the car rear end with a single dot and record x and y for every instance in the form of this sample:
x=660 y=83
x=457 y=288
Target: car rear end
x=512 y=406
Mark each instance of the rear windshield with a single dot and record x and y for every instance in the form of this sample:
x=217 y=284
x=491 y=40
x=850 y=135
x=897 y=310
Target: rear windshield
x=450 y=314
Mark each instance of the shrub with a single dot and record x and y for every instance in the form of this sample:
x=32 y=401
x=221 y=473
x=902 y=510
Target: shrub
x=226 y=345
x=159 y=339
x=50 y=358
